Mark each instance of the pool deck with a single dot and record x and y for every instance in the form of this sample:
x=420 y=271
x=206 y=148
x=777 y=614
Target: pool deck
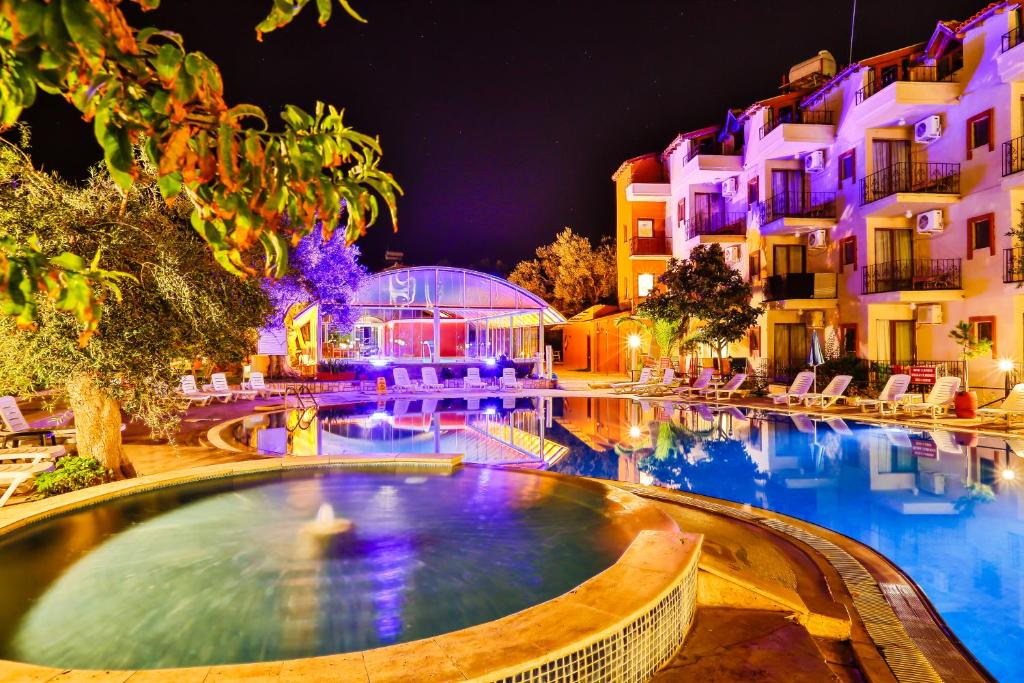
x=773 y=605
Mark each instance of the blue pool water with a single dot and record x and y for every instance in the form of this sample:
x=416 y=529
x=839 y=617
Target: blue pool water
x=941 y=505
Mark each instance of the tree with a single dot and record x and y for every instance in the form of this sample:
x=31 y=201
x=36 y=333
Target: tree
x=963 y=335
x=663 y=317
x=172 y=303
x=724 y=299
x=249 y=188
x=569 y=273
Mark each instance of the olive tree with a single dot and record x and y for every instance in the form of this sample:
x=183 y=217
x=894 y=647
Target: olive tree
x=166 y=301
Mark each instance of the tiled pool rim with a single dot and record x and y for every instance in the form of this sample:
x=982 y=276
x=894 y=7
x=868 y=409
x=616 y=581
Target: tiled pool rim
x=646 y=599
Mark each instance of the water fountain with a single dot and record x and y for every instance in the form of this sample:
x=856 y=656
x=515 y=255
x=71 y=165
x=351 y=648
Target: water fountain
x=326 y=525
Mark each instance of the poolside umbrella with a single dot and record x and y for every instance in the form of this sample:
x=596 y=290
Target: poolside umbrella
x=815 y=357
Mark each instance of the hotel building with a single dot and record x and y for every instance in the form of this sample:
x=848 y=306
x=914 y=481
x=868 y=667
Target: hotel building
x=872 y=203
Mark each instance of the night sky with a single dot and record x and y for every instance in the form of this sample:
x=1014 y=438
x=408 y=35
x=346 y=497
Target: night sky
x=504 y=121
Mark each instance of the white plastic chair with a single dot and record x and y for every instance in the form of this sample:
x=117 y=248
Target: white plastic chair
x=1011 y=407
x=624 y=387
x=890 y=396
x=938 y=400
x=16 y=427
x=830 y=394
x=220 y=385
x=18 y=465
x=665 y=386
x=259 y=385
x=429 y=381
x=727 y=389
x=402 y=381
x=508 y=380
x=797 y=390
x=699 y=384
x=472 y=380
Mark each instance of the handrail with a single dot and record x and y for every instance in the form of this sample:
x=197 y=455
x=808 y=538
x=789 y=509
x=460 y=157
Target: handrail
x=911 y=176
x=807 y=116
x=1013 y=156
x=1012 y=38
x=912 y=275
x=797 y=205
x=306 y=412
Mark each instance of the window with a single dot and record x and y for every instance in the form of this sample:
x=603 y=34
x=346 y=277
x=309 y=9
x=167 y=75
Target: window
x=984 y=328
x=681 y=212
x=644 y=283
x=979 y=132
x=848 y=338
x=848 y=252
x=753 y=192
x=644 y=227
x=789 y=258
x=754 y=341
x=981 y=234
x=847 y=167
x=754 y=267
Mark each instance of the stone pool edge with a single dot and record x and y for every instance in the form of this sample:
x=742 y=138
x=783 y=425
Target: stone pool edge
x=647 y=598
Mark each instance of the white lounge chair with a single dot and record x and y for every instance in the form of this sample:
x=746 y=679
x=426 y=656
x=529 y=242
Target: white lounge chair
x=16 y=427
x=508 y=379
x=402 y=381
x=797 y=390
x=700 y=383
x=472 y=379
x=938 y=400
x=665 y=386
x=890 y=396
x=625 y=387
x=830 y=394
x=429 y=381
x=190 y=389
x=1011 y=407
x=727 y=389
x=220 y=384
x=258 y=385
x=19 y=465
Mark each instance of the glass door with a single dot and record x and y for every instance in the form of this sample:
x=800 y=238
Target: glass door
x=894 y=259
x=787 y=192
x=789 y=351
x=896 y=343
x=789 y=258
x=708 y=209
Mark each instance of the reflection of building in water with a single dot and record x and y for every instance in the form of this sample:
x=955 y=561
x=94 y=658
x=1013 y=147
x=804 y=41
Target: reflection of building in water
x=621 y=426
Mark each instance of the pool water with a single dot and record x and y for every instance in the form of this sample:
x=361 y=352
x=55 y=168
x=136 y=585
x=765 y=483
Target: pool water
x=223 y=572
x=946 y=507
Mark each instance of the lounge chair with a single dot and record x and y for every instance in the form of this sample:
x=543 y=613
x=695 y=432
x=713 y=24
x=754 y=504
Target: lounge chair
x=938 y=400
x=429 y=381
x=700 y=383
x=16 y=427
x=189 y=388
x=945 y=442
x=830 y=394
x=839 y=426
x=402 y=381
x=890 y=396
x=18 y=465
x=727 y=389
x=797 y=390
x=1011 y=407
x=258 y=385
x=472 y=379
x=665 y=386
x=626 y=387
x=508 y=379
x=220 y=384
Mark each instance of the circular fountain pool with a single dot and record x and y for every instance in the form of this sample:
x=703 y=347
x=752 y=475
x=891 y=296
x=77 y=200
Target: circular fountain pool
x=223 y=572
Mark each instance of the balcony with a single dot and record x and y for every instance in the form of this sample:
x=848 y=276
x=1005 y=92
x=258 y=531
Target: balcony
x=810 y=117
x=790 y=213
x=708 y=164
x=1013 y=265
x=802 y=290
x=730 y=224
x=915 y=280
x=910 y=185
x=1010 y=66
x=783 y=139
x=648 y=192
x=909 y=93
x=1013 y=162
x=649 y=247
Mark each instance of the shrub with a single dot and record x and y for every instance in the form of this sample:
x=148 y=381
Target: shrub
x=71 y=474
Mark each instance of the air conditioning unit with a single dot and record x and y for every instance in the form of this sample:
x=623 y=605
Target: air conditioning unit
x=729 y=187
x=815 y=162
x=928 y=129
x=814 y=318
x=817 y=239
x=929 y=314
x=930 y=222
x=932 y=482
x=732 y=254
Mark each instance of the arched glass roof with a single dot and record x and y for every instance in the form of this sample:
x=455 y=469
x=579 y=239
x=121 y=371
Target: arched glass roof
x=456 y=292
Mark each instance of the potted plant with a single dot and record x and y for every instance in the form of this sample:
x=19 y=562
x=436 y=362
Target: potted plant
x=966 y=402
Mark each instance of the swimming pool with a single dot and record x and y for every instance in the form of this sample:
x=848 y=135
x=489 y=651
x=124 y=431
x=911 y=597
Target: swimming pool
x=946 y=507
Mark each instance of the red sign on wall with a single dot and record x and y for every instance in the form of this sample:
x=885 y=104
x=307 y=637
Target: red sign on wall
x=922 y=374
x=923 y=448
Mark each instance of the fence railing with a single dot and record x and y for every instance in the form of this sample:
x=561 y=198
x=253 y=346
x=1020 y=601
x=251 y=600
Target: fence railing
x=911 y=176
x=867 y=374
x=708 y=149
x=797 y=205
x=1013 y=156
x=913 y=275
x=649 y=246
x=1012 y=38
x=1013 y=264
x=800 y=286
x=942 y=71
x=812 y=116
x=728 y=223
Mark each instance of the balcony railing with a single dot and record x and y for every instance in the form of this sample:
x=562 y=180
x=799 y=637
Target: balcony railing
x=1013 y=156
x=942 y=71
x=731 y=223
x=648 y=246
x=912 y=275
x=1012 y=38
x=797 y=205
x=800 y=286
x=708 y=149
x=820 y=116
x=1013 y=264
x=911 y=176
